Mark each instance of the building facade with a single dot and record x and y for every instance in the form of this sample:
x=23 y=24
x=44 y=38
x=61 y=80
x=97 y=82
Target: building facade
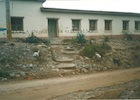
x=29 y=16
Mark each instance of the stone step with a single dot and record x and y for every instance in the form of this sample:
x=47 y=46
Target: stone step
x=69 y=49
x=64 y=60
x=70 y=52
x=66 y=66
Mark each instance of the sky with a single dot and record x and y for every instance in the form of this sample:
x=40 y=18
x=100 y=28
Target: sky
x=97 y=5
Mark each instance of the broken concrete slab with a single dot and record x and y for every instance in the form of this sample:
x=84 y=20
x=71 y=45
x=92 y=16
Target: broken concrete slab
x=66 y=66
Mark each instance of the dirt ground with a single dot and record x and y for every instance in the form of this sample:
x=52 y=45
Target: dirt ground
x=112 y=76
x=111 y=84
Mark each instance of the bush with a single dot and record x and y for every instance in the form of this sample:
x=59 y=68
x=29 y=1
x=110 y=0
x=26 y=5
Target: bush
x=80 y=38
x=106 y=39
x=7 y=59
x=33 y=39
x=89 y=50
x=4 y=73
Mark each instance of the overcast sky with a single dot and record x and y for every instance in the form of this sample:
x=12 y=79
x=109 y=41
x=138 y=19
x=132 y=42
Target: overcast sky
x=100 y=5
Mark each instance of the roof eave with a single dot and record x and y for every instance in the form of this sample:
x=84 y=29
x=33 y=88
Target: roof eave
x=88 y=12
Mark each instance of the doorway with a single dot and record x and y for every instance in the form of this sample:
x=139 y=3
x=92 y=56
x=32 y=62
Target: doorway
x=52 y=28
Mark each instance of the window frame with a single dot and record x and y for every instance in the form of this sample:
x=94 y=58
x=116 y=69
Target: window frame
x=137 y=27
x=74 y=22
x=93 y=25
x=108 y=25
x=125 y=25
x=17 y=23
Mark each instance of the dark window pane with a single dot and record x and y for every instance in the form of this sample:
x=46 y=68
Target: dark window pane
x=17 y=23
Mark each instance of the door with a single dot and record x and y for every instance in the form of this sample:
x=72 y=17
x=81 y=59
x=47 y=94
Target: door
x=52 y=28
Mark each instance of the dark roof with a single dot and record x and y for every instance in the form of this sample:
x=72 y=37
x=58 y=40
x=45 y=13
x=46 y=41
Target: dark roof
x=88 y=11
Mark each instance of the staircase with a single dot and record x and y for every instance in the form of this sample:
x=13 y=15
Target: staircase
x=64 y=59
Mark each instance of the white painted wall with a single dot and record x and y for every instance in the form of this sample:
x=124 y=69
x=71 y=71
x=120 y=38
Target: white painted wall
x=2 y=19
x=34 y=19
x=65 y=23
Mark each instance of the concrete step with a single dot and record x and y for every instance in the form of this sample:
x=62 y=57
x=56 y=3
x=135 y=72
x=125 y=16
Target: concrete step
x=66 y=66
x=69 y=48
x=64 y=60
x=70 y=52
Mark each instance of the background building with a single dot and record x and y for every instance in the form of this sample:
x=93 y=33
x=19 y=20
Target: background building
x=29 y=16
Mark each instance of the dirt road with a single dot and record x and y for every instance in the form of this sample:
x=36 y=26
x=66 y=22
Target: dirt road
x=46 y=89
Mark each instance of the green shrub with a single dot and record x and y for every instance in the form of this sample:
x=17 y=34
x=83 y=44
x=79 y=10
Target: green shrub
x=4 y=73
x=32 y=39
x=7 y=59
x=80 y=38
x=89 y=50
x=106 y=39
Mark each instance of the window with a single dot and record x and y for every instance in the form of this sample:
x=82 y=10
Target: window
x=76 y=25
x=17 y=23
x=92 y=25
x=108 y=25
x=125 y=25
x=137 y=25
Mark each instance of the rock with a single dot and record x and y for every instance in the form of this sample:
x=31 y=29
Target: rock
x=42 y=69
x=42 y=45
x=23 y=73
x=17 y=75
x=30 y=65
x=69 y=48
x=12 y=75
x=55 y=70
x=86 y=58
x=84 y=70
x=52 y=67
x=66 y=66
x=23 y=66
x=4 y=79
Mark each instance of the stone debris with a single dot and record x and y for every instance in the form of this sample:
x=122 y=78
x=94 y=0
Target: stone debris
x=20 y=59
x=65 y=66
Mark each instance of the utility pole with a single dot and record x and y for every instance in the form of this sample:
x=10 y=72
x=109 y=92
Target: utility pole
x=8 y=20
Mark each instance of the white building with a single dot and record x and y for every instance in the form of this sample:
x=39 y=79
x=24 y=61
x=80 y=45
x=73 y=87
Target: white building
x=29 y=16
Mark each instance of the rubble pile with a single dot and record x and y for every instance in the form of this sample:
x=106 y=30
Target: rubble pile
x=20 y=60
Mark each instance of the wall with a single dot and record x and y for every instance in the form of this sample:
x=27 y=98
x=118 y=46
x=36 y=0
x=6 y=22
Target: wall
x=33 y=20
x=65 y=23
x=2 y=19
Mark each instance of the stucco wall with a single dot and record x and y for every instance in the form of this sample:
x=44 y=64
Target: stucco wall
x=33 y=19
x=65 y=23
